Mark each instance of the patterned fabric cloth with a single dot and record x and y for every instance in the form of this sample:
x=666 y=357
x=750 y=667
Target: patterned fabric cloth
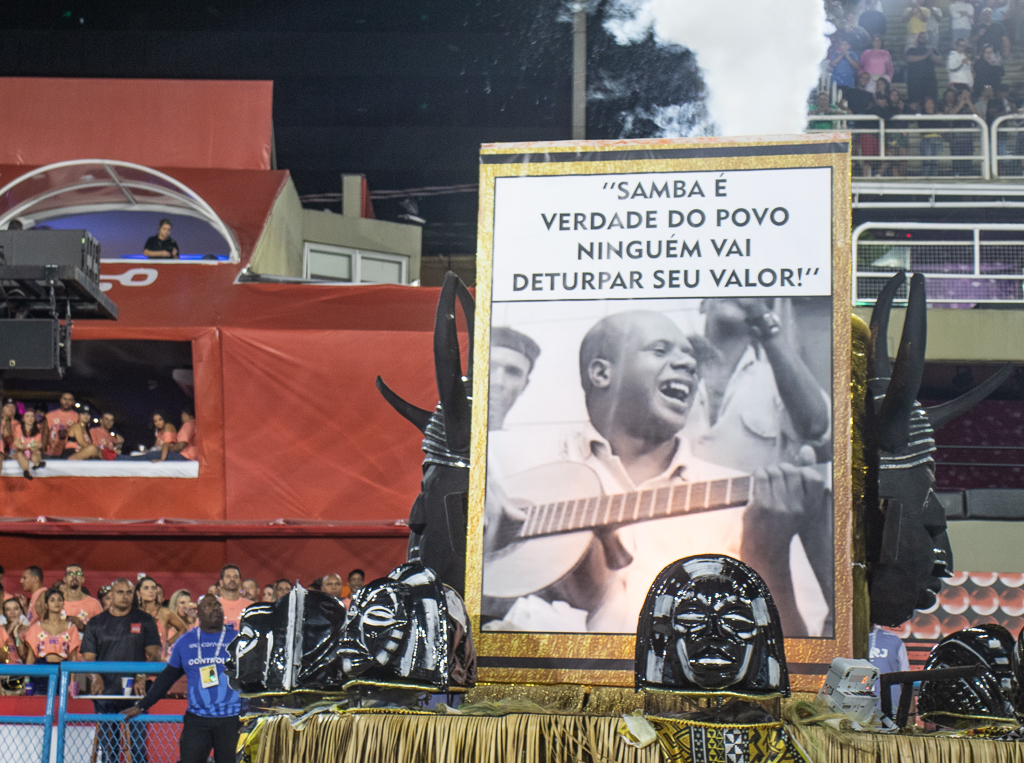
x=684 y=741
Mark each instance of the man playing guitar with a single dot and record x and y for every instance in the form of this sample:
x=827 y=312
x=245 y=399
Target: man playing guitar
x=639 y=373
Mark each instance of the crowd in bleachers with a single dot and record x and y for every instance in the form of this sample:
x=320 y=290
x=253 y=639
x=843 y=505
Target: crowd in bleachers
x=865 y=79
x=72 y=431
x=50 y=622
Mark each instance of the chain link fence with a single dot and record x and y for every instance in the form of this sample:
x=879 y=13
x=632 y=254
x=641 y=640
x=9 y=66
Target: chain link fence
x=963 y=265
x=105 y=736
x=28 y=738
x=111 y=739
x=918 y=145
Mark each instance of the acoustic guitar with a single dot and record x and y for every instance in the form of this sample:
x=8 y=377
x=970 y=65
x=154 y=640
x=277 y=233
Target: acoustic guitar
x=566 y=548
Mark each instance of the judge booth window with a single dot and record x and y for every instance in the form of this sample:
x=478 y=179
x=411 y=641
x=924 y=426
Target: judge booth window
x=131 y=380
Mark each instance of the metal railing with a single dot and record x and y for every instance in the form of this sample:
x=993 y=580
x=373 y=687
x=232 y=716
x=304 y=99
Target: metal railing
x=963 y=264
x=28 y=738
x=108 y=736
x=1008 y=141
x=913 y=145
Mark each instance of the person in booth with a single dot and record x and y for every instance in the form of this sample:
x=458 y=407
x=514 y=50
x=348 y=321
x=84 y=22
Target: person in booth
x=166 y=435
x=161 y=246
x=104 y=437
x=79 y=446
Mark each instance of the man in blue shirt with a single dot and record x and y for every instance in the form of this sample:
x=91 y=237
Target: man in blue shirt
x=844 y=63
x=213 y=707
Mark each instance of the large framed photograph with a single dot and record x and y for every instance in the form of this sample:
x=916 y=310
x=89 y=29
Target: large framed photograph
x=662 y=369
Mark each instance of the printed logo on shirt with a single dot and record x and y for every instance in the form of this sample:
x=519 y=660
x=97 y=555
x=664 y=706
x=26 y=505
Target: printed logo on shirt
x=878 y=652
x=136 y=627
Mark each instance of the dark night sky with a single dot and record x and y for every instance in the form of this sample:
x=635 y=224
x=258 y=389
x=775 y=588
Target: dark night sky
x=401 y=90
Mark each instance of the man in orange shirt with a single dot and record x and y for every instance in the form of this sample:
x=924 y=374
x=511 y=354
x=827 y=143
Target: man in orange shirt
x=186 y=444
x=103 y=436
x=60 y=420
x=230 y=597
x=32 y=585
x=76 y=603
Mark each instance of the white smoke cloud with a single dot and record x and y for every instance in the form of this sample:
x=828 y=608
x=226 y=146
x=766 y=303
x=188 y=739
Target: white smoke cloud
x=759 y=58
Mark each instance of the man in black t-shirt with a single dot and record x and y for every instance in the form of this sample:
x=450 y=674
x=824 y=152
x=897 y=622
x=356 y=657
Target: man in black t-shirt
x=161 y=246
x=123 y=633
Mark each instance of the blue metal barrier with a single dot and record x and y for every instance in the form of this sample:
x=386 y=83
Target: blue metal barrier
x=108 y=736
x=26 y=738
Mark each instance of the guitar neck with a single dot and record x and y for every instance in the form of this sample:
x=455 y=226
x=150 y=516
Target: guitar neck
x=638 y=506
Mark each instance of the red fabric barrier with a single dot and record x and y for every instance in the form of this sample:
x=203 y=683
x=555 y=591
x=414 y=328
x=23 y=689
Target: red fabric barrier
x=307 y=434
x=158 y=123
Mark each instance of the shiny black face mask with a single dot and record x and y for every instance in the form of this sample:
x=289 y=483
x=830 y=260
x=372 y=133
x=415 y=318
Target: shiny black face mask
x=377 y=626
x=709 y=625
x=950 y=703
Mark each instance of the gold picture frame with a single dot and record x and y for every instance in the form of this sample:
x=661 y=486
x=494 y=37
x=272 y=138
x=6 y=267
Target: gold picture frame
x=603 y=658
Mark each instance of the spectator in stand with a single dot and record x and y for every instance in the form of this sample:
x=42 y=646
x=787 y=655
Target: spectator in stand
x=958 y=67
x=166 y=436
x=334 y=585
x=823 y=107
x=317 y=585
x=250 y=590
x=961 y=134
x=961 y=19
x=161 y=246
x=268 y=594
x=988 y=70
x=860 y=98
x=13 y=630
x=183 y=606
x=356 y=578
x=917 y=16
x=8 y=418
x=124 y=633
x=981 y=104
x=79 y=446
x=103 y=594
x=30 y=441
x=168 y=625
x=104 y=437
x=857 y=36
x=282 y=588
x=32 y=585
x=872 y=19
x=844 y=63
x=54 y=638
x=211 y=721
x=59 y=421
x=77 y=603
x=231 y=598
x=989 y=32
x=877 y=62
x=921 y=82
x=931 y=140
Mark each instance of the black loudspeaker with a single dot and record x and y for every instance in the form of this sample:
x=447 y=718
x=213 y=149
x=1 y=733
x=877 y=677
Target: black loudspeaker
x=30 y=345
x=75 y=248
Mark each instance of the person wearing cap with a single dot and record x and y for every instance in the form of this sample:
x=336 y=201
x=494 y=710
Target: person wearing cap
x=512 y=357
x=79 y=445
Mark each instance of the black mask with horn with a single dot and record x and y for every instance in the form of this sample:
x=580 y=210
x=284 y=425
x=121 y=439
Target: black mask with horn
x=437 y=519
x=907 y=546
